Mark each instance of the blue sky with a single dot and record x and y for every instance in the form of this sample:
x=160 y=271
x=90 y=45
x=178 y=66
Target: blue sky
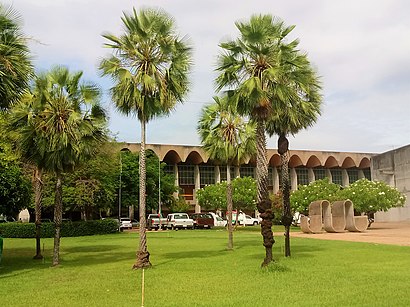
x=361 y=50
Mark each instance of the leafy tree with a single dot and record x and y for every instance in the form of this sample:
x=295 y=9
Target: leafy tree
x=15 y=187
x=213 y=197
x=316 y=190
x=178 y=205
x=367 y=196
x=277 y=207
x=227 y=138
x=254 y=68
x=244 y=193
x=130 y=180
x=150 y=69
x=372 y=196
x=95 y=182
x=15 y=63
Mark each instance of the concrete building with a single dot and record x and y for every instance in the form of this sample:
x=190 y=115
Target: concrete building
x=393 y=167
x=193 y=169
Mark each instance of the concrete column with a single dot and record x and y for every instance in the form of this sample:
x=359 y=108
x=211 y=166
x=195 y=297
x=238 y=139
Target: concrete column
x=329 y=174
x=197 y=187
x=361 y=174
x=275 y=180
x=293 y=179
x=345 y=178
x=311 y=175
x=217 y=174
x=236 y=172
x=176 y=194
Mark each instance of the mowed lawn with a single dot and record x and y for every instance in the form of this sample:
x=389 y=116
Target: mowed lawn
x=193 y=268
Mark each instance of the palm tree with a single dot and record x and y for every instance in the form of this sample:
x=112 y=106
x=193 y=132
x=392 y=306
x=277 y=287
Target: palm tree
x=57 y=127
x=252 y=66
x=227 y=138
x=15 y=65
x=149 y=69
x=22 y=131
x=299 y=113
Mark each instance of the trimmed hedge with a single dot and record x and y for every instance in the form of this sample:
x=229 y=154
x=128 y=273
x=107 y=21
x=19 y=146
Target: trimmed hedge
x=68 y=229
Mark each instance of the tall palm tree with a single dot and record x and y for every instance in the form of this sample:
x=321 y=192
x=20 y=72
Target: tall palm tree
x=15 y=64
x=252 y=66
x=294 y=115
x=149 y=69
x=22 y=130
x=227 y=138
x=57 y=127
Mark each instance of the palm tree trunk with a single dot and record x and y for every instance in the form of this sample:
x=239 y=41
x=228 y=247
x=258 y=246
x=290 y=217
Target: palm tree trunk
x=58 y=216
x=264 y=204
x=38 y=195
x=142 y=254
x=283 y=149
x=229 y=206
x=261 y=162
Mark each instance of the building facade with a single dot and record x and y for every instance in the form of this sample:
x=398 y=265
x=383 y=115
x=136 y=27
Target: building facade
x=393 y=167
x=193 y=169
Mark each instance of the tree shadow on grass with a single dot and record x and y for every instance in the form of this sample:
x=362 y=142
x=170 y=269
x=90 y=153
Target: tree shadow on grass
x=16 y=261
x=199 y=254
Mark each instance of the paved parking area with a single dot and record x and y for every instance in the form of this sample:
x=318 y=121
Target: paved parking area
x=397 y=233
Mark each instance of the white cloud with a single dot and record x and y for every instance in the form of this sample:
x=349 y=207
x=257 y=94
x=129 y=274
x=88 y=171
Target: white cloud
x=360 y=49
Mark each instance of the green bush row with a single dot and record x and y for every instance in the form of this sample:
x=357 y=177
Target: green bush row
x=68 y=229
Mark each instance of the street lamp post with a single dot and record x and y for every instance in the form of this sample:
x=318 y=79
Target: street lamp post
x=119 y=195
x=159 y=186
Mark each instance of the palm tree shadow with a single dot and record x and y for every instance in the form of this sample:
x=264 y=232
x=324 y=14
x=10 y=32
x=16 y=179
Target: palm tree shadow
x=198 y=254
x=20 y=260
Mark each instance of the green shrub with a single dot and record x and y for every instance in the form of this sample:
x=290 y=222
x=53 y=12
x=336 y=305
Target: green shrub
x=68 y=229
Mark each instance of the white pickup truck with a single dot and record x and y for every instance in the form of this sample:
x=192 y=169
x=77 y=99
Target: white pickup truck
x=156 y=221
x=179 y=220
x=244 y=219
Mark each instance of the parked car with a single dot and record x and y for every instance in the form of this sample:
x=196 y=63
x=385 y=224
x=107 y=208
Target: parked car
x=218 y=221
x=249 y=221
x=125 y=223
x=244 y=219
x=202 y=220
x=156 y=221
x=135 y=223
x=179 y=220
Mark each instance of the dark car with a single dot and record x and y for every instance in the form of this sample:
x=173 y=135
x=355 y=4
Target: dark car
x=202 y=220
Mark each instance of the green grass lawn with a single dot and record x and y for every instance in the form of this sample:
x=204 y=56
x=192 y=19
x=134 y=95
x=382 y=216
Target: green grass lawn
x=193 y=268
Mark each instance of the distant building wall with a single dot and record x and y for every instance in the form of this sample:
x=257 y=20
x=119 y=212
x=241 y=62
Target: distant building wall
x=393 y=167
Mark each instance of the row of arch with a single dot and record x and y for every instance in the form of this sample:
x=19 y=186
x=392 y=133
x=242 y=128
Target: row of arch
x=175 y=154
